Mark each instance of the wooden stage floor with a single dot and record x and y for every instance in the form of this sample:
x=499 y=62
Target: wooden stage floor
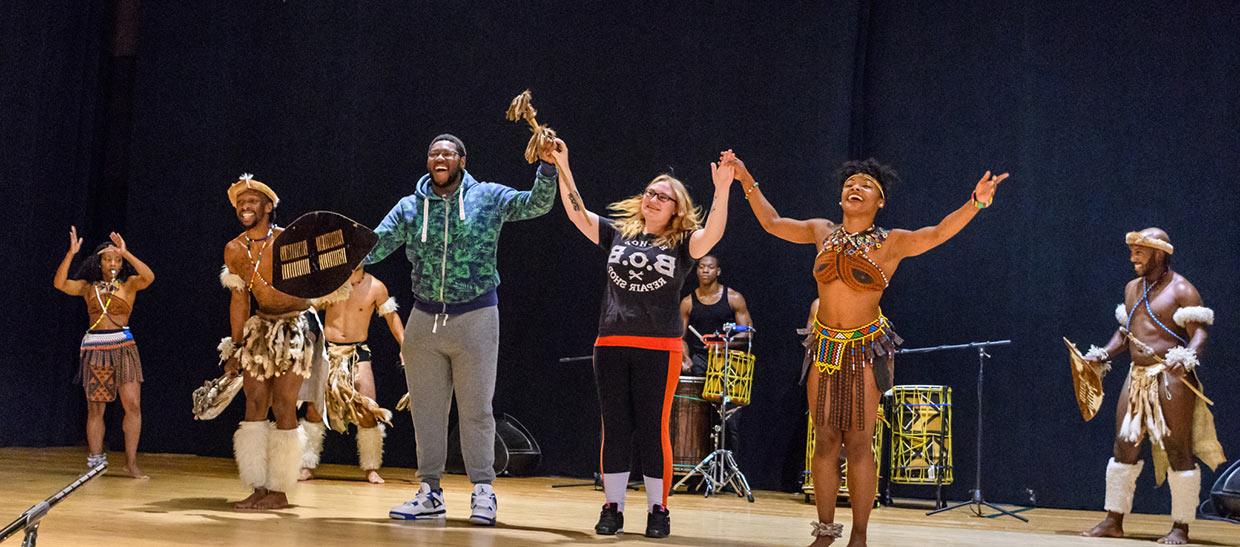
x=186 y=502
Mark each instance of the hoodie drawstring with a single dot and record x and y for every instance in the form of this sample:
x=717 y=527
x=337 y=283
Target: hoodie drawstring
x=435 y=324
x=426 y=212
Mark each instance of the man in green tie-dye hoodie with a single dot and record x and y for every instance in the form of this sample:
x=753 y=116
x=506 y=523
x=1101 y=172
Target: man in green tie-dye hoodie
x=450 y=227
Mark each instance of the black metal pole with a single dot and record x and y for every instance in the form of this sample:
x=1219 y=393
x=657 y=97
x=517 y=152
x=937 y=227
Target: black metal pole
x=36 y=512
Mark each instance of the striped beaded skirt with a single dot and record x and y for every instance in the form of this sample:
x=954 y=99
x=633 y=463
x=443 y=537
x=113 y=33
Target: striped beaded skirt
x=108 y=358
x=841 y=357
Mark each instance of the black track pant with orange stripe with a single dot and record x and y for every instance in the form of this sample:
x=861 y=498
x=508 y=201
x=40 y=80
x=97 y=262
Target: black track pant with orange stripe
x=635 y=389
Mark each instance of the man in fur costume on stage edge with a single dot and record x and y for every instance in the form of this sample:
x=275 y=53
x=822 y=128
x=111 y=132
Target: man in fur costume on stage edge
x=277 y=349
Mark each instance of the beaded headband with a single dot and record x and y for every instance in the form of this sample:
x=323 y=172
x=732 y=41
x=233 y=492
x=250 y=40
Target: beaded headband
x=1142 y=240
x=866 y=176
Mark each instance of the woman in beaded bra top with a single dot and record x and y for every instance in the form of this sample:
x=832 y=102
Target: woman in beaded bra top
x=108 y=280
x=852 y=343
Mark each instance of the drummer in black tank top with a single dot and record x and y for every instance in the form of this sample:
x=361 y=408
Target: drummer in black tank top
x=706 y=309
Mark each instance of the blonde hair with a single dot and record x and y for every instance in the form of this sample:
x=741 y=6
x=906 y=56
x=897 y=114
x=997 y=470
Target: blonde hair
x=630 y=221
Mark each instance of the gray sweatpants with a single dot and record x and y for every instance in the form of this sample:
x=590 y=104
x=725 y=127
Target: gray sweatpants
x=441 y=357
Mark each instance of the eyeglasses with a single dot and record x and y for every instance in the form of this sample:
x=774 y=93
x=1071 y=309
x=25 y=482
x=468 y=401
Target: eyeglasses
x=661 y=198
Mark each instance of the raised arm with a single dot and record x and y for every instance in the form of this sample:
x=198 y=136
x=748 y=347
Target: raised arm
x=145 y=275
x=585 y=220
x=701 y=241
x=912 y=243
x=788 y=229
x=535 y=202
x=72 y=287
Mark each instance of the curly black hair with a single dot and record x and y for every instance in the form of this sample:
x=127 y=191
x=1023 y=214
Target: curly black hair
x=884 y=174
x=91 y=269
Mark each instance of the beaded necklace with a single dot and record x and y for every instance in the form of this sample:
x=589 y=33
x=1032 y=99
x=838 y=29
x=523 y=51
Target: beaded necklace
x=1145 y=300
x=110 y=287
x=857 y=245
x=249 y=255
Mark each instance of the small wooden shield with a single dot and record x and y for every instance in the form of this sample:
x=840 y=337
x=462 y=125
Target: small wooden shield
x=317 y=252
x=1086 y=382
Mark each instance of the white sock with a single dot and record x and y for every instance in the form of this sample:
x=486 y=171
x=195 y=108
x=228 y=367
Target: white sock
x=614 y=487
x=654 y=492
x=1185 y=494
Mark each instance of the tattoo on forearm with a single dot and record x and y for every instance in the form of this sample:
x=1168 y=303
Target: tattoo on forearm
x=572 y=198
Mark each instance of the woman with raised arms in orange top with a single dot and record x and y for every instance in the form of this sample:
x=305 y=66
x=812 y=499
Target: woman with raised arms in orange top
x=108 y=280
x=853 y=345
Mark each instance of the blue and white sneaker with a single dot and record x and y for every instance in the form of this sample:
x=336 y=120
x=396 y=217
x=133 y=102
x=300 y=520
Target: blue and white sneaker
x=482 y=505
x=426 y=504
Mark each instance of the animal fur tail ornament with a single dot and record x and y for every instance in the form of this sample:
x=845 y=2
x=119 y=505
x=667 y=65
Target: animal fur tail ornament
x=522 y=108
x=345 y=404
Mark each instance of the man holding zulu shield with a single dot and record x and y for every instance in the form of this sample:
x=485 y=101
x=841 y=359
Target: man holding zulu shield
x=1163 y=326
x=281 y=346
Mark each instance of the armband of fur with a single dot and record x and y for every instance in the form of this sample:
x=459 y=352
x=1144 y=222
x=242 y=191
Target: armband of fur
x=389 y=306
x=231 y=281
x=1181 y=355
x=227 y=348
x=1096 y=353
x=1194 y=314
x=339 y=295
x=1121 y=315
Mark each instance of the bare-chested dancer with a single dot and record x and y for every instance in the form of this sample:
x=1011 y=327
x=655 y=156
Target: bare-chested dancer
x=1163 y=327
x=108 y=281
x=854 y=343
x=276 y=348
x=347 y=326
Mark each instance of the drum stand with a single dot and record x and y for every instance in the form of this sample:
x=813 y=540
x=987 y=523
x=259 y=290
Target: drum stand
x=718 y=469
x=977 y=503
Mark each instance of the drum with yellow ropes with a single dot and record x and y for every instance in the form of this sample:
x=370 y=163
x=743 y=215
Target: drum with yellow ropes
x=807 y=487
x=921 y=436
x=739 y=379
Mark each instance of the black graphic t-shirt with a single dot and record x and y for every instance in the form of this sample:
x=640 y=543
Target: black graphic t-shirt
x=644 y=280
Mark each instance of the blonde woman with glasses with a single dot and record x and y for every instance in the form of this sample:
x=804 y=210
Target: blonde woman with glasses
x=652 y=241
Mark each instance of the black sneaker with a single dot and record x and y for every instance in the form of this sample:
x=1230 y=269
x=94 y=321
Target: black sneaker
x=658 y=522
x=610 y=520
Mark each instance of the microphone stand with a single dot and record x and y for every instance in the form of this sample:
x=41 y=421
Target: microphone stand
x=32 y=517
x=978 y=500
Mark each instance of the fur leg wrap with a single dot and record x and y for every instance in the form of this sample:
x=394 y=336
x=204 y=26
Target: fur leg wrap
x=1121 y=483
x=370 y=447
x=284 y=458
x=1185 y=492
x=314 y=443
x=250 y=450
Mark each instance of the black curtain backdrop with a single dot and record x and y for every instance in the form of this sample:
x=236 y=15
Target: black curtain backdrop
x=1111 y=116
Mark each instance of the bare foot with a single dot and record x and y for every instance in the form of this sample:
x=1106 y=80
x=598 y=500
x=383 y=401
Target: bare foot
x=822 y=542
x=248 y=503
x=1112 y=526
x=1177 y=536
x=306 y=474
x=372 y=476
x=273 y=500
x=133 y=472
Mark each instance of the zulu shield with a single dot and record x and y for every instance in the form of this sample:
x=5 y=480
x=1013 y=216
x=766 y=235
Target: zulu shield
x=1086 y=382
x=317 y=252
